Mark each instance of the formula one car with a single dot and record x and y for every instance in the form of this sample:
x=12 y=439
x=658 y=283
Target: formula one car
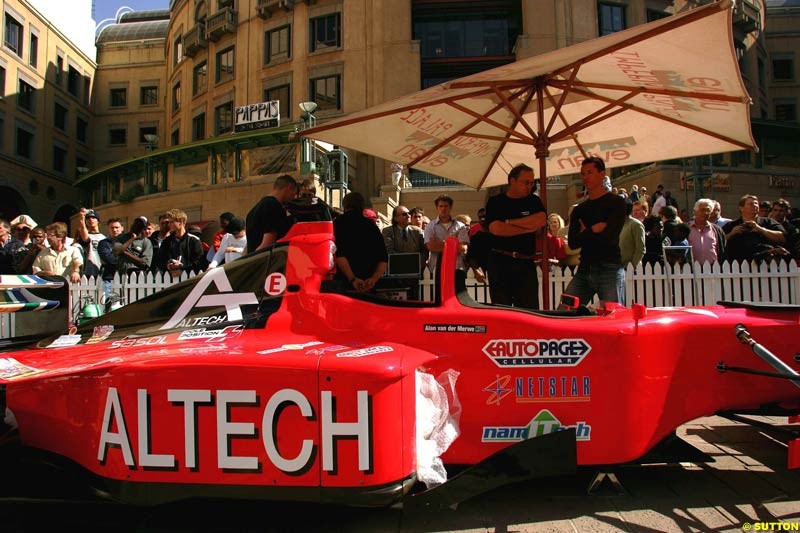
x=266 y=378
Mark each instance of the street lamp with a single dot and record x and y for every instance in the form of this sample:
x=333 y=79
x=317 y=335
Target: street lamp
x=152 y=141
x=308 y=109
x=308 y=163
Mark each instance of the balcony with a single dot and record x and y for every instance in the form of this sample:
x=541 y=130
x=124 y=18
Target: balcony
x=746 y=16
x=266 y=8
x=220 y=23
x=194 y=40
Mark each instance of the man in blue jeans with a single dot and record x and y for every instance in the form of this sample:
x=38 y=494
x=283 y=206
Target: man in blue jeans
x=594 y=227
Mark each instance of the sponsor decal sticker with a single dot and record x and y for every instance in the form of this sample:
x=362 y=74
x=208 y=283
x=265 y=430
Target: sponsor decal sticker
x=372 y=350
x=10 y=368
x=454 y=328
x=289 y=347
x=539 y=389
x=211 y=335
x=231 y=301
x=275 y=284
x=131 y=423
x=543 y=423
x=139 y=341
x=534 y=352
x=328 y=349
x=100 y=333
x=65 y=340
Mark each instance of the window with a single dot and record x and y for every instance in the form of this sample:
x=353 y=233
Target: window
x=59 y=70
x=224 y=70
x=117 y=136
x=177 y=51
x=468 y=37
x=199 y=78
x=87 y=83
x=59 y=158
x=25 y=139
x=654 y=14
x=119 y=97
x=33 y=54
x=146 y=130
x=26 y=96
x=783 y=67
x=60 y=117
x=2 y=81
x=282 y=94
x=325 y=32
x=81 y=129
x=175 y=137
x=223 y=118
x=199 y=127
x=148 y=95
x=611 y=17
x=785 y=109
x=277 y=44
x=13 y=35
x=73 y=81
x=176 y=97
x=326 y=92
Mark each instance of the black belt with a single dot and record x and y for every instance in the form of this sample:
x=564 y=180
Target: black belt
x=515 y=255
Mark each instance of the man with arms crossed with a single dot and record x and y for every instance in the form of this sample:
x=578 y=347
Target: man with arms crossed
x=595 y=226
x=514 y=218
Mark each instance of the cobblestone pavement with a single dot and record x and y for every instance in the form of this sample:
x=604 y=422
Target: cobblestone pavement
x=747 y=485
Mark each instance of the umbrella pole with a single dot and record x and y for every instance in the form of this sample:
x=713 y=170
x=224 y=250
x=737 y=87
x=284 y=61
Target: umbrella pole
x=542 y=152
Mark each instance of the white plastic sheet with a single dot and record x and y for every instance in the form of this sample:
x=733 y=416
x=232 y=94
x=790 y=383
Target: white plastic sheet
x=438 y=414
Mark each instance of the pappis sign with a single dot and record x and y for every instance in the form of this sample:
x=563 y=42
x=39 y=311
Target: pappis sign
x=535 y=352
x=258 y=116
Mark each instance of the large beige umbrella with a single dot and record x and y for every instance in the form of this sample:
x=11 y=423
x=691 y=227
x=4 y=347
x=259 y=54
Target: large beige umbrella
x=662 y=90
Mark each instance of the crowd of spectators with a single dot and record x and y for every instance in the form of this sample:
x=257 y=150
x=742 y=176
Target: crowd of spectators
x=654 y=232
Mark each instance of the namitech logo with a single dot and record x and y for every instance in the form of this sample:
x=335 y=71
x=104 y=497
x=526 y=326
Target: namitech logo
x=534 y=352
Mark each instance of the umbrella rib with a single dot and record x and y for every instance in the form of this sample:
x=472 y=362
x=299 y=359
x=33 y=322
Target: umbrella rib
x=631 y=107
x=480 y=118
x=564 y=120
x=651 y=90
x=589 y=120
x=517 y=114
x=502 y=145
x=557 y=107
x=485 y=118
x=496 y=138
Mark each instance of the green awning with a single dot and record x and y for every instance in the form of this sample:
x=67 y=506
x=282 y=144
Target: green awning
x=172 y=154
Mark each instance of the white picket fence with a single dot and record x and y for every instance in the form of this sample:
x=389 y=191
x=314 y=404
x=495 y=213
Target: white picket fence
x=654 y=286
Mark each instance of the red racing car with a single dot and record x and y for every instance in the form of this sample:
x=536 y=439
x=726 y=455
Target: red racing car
x=265 y=378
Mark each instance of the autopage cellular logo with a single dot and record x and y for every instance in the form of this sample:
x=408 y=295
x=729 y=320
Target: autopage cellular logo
x=534 y=352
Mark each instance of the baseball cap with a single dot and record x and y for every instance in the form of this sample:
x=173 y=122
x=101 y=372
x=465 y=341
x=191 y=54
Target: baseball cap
x=91 y=213
x=370 y=214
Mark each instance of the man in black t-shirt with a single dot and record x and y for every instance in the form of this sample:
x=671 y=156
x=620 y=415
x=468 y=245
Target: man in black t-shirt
x=268 y=221
x=513 y=219
x=594 y=227
x=751 y=237
x=361 y=256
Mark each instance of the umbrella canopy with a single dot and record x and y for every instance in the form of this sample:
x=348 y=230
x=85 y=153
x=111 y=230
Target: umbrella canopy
x=662 y=90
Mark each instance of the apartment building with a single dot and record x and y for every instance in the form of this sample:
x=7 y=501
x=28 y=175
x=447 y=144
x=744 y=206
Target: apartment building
x=46 y=84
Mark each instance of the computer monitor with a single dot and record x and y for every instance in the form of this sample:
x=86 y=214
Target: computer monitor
x=403 y=265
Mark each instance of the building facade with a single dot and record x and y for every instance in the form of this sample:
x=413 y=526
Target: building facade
x=46 y=87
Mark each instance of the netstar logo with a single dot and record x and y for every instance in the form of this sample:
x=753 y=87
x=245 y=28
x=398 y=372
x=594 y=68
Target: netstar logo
x=532 y=352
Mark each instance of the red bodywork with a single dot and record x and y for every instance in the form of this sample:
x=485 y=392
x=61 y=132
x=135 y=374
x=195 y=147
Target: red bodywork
x=322 y=400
